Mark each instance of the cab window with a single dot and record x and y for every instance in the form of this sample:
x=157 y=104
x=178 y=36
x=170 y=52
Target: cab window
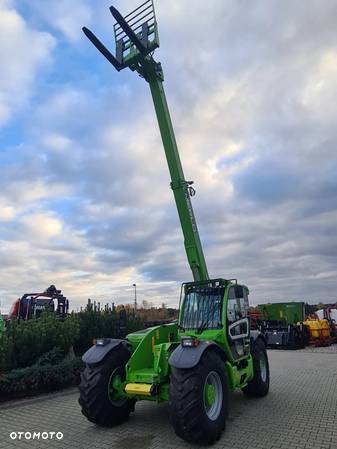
x=238 y=305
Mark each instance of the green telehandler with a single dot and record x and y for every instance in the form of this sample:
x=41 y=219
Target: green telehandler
x=194 y=363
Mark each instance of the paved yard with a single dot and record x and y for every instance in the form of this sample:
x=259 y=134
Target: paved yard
x=300 y=412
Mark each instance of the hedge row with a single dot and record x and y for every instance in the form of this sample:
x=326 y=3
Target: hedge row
x=34 y=355
x=101 y=324
x=23 y=343
x=44 y=376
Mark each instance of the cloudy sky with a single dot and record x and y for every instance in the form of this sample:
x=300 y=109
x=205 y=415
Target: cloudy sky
x=85 y=201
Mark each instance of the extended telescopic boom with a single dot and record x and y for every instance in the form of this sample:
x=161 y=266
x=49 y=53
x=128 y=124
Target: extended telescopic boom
x=136 y=37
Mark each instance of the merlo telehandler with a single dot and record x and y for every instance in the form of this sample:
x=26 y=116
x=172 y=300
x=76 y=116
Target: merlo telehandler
x=194 y=363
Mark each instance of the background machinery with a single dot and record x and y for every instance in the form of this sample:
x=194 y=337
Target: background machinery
x=193 y=363
x=282 y=325
x=330 y=314
x=32 y=305
x=320 y=330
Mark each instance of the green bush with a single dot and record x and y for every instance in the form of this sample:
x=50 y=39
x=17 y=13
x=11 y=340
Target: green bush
x=103 y=324
x=53 y=357
x=94 y=324
x=33 y=353
x=40 y=378
x=23 y=343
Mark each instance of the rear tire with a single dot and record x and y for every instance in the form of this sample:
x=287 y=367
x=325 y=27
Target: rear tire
x=259 y=385
x=198 y=400
x=94 y=399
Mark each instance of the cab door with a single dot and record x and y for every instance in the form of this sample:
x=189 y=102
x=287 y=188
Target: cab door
x=238 y=329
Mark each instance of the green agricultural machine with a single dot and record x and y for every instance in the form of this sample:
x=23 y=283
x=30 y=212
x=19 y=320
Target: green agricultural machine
x=287 y=312
x=282 y=325
x=192 y=364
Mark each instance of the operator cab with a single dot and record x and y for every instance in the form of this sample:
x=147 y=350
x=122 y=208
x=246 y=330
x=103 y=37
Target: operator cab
x=201 y=305
x=215 y=305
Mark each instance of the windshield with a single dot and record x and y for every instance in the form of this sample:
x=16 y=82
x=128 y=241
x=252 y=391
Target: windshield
x=201 y=307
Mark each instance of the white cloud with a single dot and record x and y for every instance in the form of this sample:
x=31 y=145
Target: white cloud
x=7 y=212
x=24 y=193
x=251 y=89
x=321 y=89
x=57 y=142
x=41 y=226
x=65 y=16
x=24 y=52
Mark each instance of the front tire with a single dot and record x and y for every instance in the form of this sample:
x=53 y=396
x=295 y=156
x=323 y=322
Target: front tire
x=198 y=400
x=259 y=385
x=96 y=400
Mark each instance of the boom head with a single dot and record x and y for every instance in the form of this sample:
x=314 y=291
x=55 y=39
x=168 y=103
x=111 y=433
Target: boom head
x=136 y=38
x=136 y=34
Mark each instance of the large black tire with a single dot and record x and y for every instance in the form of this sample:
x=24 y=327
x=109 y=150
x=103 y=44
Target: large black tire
x=259 y=385
x=189 y=411
x=94 y=396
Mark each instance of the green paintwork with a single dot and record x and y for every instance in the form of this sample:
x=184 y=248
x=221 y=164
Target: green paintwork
x=179 y=185
x=149 y=361
x=209 y=394
x=152 y=72
x=153 y=347
x=116 y=388
x=218 y=336
x=134 y=56
x=288 y=312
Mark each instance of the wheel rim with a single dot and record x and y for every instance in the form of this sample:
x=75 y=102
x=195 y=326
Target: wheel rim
x=263 y=367
x=115 y=387
x=213 y=395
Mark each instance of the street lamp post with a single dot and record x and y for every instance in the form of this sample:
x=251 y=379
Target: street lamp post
x=134 y=285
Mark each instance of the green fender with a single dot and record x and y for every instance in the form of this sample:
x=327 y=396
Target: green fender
x=188 y=357
x=98 y=352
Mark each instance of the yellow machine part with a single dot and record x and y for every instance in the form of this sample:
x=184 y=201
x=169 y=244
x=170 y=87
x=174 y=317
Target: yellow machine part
x=314 y=327
x=325 y=328
x=139 y=389
x=318 y=328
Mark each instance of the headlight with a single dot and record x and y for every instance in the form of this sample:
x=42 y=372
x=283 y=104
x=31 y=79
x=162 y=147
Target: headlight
x=101 y=341
x=189 y=342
